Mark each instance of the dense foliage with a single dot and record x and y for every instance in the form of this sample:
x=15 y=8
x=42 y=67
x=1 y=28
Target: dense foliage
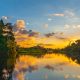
x=37 y=51
x=73 y=51
x=7 y=50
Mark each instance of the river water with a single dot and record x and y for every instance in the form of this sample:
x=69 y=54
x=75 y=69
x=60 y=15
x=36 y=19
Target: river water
x=48 y=67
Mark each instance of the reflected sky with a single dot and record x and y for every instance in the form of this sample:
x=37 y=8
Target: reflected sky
x=48 y=67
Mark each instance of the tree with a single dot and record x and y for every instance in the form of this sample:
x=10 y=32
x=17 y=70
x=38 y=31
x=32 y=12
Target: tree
x=73 y=51
x=7 y=50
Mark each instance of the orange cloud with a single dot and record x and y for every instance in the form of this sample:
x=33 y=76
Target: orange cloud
x=20 y=24
x=29 y=38
x=56 y=41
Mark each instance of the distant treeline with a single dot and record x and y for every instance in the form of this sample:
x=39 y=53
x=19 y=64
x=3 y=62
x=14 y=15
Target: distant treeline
x=72 y=51
x=36 y=51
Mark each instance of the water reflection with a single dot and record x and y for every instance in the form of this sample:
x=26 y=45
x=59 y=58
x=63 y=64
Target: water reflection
x=48 y=67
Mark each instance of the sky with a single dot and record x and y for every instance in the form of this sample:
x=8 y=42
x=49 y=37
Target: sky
x=55 y=19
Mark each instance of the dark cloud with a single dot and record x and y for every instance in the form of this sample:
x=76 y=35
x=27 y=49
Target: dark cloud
x=32 y=33
x=23 y=31
x=59 y=35
x=50 y=34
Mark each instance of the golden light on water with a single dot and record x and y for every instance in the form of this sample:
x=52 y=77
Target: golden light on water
x=50 y=61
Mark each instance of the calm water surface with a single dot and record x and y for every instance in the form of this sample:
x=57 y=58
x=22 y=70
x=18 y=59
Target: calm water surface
x=48 y=67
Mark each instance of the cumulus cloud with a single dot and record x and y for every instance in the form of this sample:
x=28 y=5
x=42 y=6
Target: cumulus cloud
x=20 y=24
x=67 y=26
x=4 y=17
x=20 y=29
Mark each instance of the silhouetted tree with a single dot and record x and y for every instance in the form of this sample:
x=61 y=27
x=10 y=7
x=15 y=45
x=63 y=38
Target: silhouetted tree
x=7 y=51
x=73 y=51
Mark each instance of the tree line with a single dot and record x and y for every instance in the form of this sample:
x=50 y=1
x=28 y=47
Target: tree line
x=72 y=51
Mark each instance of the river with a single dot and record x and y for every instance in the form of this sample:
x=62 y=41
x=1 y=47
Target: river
x=48 y=67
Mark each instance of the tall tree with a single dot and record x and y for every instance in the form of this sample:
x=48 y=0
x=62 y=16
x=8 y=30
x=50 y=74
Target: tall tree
x=7 y=51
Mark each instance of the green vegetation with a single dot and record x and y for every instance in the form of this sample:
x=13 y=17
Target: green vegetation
x=36 y=51
x=72 y=51
x=7 y=50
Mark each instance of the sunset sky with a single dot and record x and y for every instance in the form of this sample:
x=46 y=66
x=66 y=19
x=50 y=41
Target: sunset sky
x=50 y=23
